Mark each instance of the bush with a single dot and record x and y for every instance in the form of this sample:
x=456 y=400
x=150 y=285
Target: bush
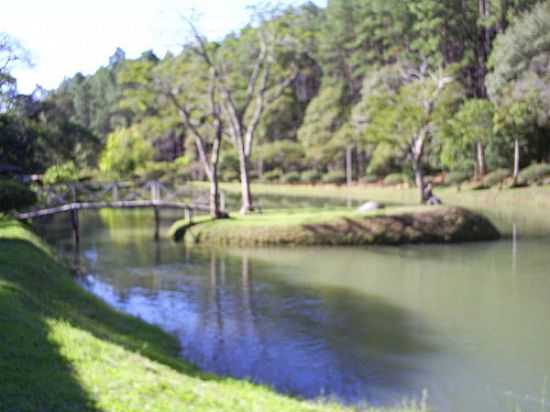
x=15 y=196
x=369 y=179
x=496 y=177
x=310 y=176
x=336 y=177
x=535 y=173
x=291 y=177
x=63 y=173
x=395 y=179
x=456 y=178
x=273 y=175
x=229 y=176
x=154 y=170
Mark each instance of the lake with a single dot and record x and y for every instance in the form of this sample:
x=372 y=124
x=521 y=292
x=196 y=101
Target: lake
x=468 y=325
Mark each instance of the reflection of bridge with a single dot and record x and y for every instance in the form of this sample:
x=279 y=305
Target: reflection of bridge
x=71 y=198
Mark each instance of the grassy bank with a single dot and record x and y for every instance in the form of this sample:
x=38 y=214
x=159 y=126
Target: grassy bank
x=61 y=349
x=310 y=227
x=533 y=196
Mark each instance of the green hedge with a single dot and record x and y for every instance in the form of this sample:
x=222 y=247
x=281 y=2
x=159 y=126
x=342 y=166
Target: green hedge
x=369 y=179
x=15 y=196
x=535 y=173
x=291 y=177
x=496 y=177
x=273 y=175
x=395 y=179
x=335 y=177
x=310 y=176
x=456 y=178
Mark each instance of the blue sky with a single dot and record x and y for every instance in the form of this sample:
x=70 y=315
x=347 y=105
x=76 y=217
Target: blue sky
x=69 y=36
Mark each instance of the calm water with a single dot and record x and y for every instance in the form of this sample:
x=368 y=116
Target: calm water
x=467 y=323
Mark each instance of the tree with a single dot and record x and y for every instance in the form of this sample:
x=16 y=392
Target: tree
x=471 y=125
x=187 y=87
x=520 y=77
x=246 y=87
x=405 y=117
x=125 y=151
x=11 y=54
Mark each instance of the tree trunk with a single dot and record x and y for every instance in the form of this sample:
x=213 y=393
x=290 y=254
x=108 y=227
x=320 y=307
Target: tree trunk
x=215 y=210
x=481 y=162
x=419 y=179
x=360 y=166
x=246 y=195
x=516 y=161
x=349 y=165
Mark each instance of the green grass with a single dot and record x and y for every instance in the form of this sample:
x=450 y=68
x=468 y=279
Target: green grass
x=533 y=196
x=339 y=227
x=61 y=349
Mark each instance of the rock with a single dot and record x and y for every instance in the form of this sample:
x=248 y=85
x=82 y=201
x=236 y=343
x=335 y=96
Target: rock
x=546 y=181
x=369 y=207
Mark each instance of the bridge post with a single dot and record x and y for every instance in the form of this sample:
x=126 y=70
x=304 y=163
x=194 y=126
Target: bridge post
x=155 y=191
x=115 y=192
x=189 y=214
x=157 y=223
x=76 y=226
x=74 y=216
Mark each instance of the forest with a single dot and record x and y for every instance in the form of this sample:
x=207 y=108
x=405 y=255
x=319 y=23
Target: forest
x=360 y=91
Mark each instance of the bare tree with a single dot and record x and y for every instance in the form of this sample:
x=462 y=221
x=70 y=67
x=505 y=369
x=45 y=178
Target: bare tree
x=187 y=86
x=215 y=126
x=243 y=118
x=11 y=54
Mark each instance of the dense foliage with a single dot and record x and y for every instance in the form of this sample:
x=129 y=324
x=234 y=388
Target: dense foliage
x=15 y=196
x=423 y=86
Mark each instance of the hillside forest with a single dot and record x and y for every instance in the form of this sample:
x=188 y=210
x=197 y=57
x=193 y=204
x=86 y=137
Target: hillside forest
x=360 y=91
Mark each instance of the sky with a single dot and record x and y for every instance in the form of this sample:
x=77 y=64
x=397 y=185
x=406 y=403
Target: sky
x=69 y=36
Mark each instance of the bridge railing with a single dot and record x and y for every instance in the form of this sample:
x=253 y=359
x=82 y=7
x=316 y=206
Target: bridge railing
x=121 y=191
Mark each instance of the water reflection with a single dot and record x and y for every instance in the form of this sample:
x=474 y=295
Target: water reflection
x=466 y=322
x=308 y=342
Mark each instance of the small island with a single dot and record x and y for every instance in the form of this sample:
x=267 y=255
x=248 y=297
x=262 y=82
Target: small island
x=393 y=226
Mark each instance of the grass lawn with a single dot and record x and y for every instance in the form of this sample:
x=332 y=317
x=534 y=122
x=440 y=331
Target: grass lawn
x=533 y=196
x=61 y=349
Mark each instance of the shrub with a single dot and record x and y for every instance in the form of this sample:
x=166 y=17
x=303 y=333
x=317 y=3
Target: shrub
x=496 y=177
x=369 y=179
x=335 y=177
x=154 y=170
x=310 y=176
x=15 y=196
x=535 y=173
x=229 y=176
x=63 y=173
x=395 y=179
x=273 y=175
x=291 y=177
x=456 y=178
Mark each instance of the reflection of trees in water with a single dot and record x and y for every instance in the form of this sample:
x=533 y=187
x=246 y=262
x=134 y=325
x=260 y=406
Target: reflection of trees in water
x=303 y=341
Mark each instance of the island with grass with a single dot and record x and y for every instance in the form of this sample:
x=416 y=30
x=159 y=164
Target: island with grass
x=317 y=227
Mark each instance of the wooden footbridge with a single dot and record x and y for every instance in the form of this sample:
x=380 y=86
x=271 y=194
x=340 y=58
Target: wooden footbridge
x=71 y=198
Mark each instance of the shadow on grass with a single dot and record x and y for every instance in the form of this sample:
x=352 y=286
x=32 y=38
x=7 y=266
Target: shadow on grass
x=34 y=288
x=35 y=376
